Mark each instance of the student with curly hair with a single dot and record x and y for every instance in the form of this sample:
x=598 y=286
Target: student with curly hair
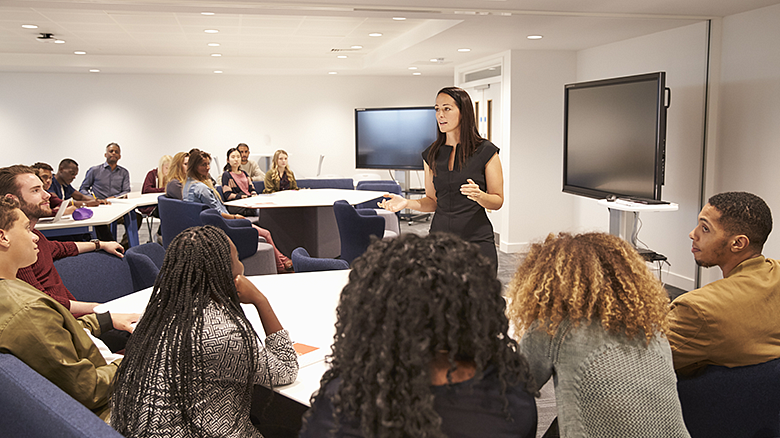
x=421 y=348
x=593 y=316
x=190 y=367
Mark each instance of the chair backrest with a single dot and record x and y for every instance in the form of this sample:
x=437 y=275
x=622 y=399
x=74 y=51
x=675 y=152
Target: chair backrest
x=95 y=276
x=355 y=230
x=303 y=262
x=176 y=216
x=259 y=186
x=143 y=270
x=153 y=250
x=388 y=186
x=32 y=406
x=325 y=183
x=732 y=402
x=240 y=231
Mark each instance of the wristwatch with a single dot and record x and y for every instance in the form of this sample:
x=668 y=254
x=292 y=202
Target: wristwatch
x=97 y=244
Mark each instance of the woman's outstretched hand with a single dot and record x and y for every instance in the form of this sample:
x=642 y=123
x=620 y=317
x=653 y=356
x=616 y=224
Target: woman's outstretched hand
x=471 y=190
x=394 y=204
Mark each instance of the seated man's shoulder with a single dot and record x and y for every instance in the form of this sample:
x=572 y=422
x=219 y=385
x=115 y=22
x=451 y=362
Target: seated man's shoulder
x=16 y=295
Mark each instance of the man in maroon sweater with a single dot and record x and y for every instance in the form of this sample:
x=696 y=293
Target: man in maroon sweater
x=22 y=183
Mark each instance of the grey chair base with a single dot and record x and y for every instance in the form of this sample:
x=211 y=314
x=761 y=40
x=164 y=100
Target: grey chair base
x=263 y=262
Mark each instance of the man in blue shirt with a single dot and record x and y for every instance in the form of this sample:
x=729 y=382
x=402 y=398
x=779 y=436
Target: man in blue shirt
x=109 y=179
x=105 y=181
x=60 y=185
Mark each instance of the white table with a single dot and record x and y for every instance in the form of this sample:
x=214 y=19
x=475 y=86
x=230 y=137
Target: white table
x=101 y=215
x=304 y=217
x=306 y=306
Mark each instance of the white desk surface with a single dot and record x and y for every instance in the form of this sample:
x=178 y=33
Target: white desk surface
x=101 y=215
x=138 y=199
x=305 y=304
x=306 y=198
x=634 y=206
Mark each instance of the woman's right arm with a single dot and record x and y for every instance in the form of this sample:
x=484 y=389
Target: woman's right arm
x=534 y=346
x=269 y=183
x=227 y=192
x=426 y=204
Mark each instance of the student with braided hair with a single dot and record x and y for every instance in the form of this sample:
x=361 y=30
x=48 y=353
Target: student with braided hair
x=593 y=316
x=190 y=367
x=421 y=348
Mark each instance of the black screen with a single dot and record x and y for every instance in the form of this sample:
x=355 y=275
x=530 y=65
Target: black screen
x=613 y=137
x=393 y=138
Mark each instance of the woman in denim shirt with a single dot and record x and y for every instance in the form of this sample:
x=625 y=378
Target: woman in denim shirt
x=593 y=318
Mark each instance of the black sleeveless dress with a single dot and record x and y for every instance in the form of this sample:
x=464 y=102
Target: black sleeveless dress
x=455 y=213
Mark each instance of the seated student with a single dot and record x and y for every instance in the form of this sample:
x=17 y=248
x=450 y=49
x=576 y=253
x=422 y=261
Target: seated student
x=421 y=348
x=250 y=167
x=593 y=317
x=155 y=182
x=199 y=188
x=61 y=186
x=280 y=176
x=733 y=321
x=236 y=184
x=190 y=367
x=44 y=172
x=177 y=175
x=42 y=333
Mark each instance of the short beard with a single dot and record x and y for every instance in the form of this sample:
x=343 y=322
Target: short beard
x=33 y=211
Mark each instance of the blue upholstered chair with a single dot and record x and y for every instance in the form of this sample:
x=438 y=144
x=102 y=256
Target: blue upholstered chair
x=145 y=262
x=303 y=262
x=326 y=183
x=393 y=220
x=32 y=406
x=95 y=276
x=356 y=229
x=732 y=402
x=176 y=216
x=256 y=255
x=259 y=186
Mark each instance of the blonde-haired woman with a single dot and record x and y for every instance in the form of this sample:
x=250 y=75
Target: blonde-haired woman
x=177 y=175
x=155 y=182
x=279 y=177
x=593 y=316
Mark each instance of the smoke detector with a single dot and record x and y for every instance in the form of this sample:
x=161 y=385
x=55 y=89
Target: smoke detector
x=46 y=37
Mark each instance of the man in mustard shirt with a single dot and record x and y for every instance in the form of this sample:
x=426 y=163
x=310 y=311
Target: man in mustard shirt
x=733 y=321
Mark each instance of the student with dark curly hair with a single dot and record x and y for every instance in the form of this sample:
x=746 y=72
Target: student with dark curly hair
x=194 y=358
x=733 y=321
x=593 y=317
x=421 y=348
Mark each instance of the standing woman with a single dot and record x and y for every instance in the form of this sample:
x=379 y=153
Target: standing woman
x=194 y=358
x=463 y=176
x=236 y=184
x=199 y=188
x=593 y=317
x=280 y=177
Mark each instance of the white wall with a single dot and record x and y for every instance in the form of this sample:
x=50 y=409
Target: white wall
x=749 y=121
x=681 y=53
x=46 y=117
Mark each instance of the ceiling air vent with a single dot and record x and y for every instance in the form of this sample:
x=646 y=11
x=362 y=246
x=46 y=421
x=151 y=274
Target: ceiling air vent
x=483 y=74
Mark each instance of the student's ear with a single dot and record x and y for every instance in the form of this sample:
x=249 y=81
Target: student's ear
x=4 y=242
x=739 y=243
x=12 y=196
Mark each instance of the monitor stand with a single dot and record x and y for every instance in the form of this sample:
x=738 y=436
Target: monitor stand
x=623 y=219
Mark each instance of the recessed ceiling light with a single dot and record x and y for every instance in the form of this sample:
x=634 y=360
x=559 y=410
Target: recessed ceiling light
x=342 y=57
x=216 y=54
x=356 y=47
x=417 y=73
x=79 y=52
x=412 y=68
x=464 y=50
x=211 y=31
x=534 y=37
x=399 y=18
x=434 y=59
x=375 y=34
x=213 y=44
x=332 y=73
x=29 y=26
x=206 y=13
x=94 y=70
x=59 y=41
x=217 y=71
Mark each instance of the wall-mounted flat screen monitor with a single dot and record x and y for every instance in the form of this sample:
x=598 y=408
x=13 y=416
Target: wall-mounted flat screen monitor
x=393 y=138
x=615 y=137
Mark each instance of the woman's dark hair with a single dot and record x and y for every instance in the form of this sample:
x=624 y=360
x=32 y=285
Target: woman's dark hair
x=469 y=135
x=407 y=300
x=168 y=339
x=227 y=167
